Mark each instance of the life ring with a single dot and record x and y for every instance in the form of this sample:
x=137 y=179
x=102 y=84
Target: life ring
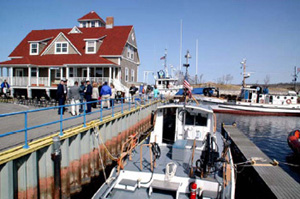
x=288 y=101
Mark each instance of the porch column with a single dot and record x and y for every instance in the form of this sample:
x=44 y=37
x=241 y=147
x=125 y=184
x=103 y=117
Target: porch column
x=88 y=73
x=61 y=73
x=29 y=76
x=49 y=75
x=109 y=76
x=67 y=72
x=11 y=75
x=37 y=76
x=114 y=73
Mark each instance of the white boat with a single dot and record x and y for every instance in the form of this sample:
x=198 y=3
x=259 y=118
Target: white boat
x=184 y=157
x=254 y=103
x=168 y=87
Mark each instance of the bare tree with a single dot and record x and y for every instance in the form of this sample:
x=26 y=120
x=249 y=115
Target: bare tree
x=267 y=80
x=228 y=78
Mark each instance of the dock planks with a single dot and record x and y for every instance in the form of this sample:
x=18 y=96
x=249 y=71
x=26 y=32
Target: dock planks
x=280 y=183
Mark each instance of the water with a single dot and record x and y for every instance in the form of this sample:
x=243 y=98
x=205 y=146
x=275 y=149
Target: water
x=270 y=135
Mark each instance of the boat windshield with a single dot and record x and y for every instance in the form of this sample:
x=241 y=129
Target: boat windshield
x=197 y=119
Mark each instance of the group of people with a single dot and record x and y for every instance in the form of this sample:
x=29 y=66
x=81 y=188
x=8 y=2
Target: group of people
x=91 y=93
x=143 y=91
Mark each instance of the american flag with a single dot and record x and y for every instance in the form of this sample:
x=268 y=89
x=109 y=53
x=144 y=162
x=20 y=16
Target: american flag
x=163 y=57
x=187 y=86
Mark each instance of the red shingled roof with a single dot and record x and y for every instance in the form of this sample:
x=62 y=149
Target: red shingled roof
x=91 y=16
x=113 y=44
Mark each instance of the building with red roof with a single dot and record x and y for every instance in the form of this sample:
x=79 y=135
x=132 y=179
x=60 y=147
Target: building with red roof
x=96 y=50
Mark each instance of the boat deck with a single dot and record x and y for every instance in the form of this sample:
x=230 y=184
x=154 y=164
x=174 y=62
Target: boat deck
x=277 y=180
x=126 y=185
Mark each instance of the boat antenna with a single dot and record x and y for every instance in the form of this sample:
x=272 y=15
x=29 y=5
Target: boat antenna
x=187 y=56
x=186 y=65
x=166 y=67
x=295 y=77
x=244 y=72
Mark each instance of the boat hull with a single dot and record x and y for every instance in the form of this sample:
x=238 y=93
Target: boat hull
x=293 y=141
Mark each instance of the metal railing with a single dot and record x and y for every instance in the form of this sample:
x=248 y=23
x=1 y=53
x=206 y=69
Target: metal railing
x=130 y=102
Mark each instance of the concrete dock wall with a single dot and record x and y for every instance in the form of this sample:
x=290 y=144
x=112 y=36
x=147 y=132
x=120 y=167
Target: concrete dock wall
x=31 y=173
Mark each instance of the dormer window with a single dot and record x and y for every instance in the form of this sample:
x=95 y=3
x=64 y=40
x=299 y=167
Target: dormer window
x=61 y=48
x=90 y=47
x=34 y=48
x=83 y=24
x=130 y=52
x=92 y=24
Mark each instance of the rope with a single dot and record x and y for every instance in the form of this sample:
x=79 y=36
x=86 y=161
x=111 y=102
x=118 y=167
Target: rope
x=106 y=149
x=96 y=134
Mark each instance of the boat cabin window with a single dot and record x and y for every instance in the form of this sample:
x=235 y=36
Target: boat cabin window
x=196 y=119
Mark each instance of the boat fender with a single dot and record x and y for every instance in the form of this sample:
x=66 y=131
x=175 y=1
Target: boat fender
x=156 y=150
x=193 y=192
x=288 y=101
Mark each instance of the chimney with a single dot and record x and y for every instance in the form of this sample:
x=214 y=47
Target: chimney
x=109 y=22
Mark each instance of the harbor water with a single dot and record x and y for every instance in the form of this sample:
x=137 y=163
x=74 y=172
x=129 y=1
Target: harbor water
x=269 y=133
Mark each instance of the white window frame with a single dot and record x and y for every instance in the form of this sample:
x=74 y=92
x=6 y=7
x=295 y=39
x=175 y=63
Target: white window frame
x=130 y=52
x=57 y=73
x=132 y=75
x=86 y=47
x=61 y=42
x=126 y=74
x=18 y=70
x=33 y=70
x=82 y=72
x=37 y=49
x=72 y=72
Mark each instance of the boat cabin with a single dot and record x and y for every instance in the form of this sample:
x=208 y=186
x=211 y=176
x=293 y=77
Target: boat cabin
x=173 y=123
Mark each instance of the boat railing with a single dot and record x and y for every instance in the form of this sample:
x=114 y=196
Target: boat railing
x=120 y=104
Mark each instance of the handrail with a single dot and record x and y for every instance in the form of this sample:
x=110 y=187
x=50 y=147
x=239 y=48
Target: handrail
x=61 y=119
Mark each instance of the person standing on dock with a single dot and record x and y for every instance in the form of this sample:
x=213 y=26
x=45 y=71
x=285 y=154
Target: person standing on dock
x=95 y=95
x=74 y=96
x=4 y=87
x=113 y=94
x=61 y=95
x=81 y=91
x=88 y=96
x=156 y=92
x=105 y=94
x=132 y=91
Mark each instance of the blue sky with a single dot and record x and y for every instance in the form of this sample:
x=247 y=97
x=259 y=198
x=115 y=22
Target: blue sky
x=266 y=33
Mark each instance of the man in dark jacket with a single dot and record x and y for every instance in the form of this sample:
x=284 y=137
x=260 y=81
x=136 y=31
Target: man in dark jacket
x=81 y=91
x=132 y=91
x=88 y=96
x=61 y=95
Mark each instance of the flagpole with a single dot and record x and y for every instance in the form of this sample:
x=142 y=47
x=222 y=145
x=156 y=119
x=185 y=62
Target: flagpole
x=196 y=77
x=180 y=48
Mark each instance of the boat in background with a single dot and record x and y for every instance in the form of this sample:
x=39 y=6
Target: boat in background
x=255 y=100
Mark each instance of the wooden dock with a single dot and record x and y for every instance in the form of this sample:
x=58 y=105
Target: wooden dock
x=277 y=181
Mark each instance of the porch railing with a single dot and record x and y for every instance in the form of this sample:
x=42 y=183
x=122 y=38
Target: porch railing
x=19 y=81
x=71 y=80
x=41 y=81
